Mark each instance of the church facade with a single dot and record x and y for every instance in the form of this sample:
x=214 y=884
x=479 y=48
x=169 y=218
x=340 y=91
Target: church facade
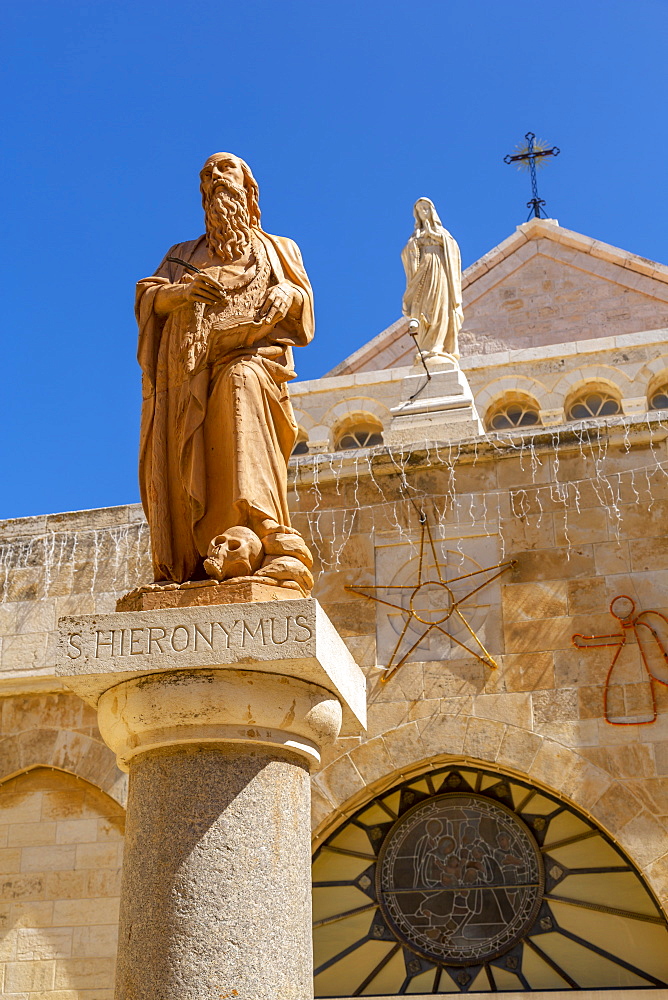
x=503 y=582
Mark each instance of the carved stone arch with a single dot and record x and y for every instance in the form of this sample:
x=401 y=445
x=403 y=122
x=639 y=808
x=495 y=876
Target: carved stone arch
x=652 y=376
x=303 y=418
x=63 y=750
x=346 y=783
x=357 y=407
x=572 y=383
x=508 y=385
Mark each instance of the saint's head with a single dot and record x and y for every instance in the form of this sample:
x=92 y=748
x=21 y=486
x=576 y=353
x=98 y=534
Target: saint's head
x=231 y=209
x=425 y=213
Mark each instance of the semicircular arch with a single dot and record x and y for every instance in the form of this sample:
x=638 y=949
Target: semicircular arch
x=67 y=751
x=341 y=787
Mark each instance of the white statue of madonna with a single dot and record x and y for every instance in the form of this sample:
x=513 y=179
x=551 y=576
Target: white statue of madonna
x=433 y=297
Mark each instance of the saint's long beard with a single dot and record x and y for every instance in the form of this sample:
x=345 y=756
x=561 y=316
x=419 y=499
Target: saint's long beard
x=227 y=221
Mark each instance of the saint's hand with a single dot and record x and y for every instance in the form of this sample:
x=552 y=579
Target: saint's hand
x=203 y=288
x=191 y=288
x=281 y=300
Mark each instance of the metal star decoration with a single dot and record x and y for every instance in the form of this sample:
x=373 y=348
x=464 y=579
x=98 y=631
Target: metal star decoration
x=432 y=603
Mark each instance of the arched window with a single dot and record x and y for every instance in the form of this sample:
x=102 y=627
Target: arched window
x=465 y=880
x=360 y=434
x=301 y=444
x=658 y=399
x=511 y=413
x=593 y=403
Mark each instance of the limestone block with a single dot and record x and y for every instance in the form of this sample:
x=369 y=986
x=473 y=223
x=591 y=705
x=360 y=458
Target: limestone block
x=559 y=705
x=340 y=780
x=616 y=807
x=528 y=671
x=31 y=834
x=293 y=638
x=526 y=601
x=82 y=912
x=84 y=973
x=372 y=760
x=36 y=943
x=29 y=977
x=502 y=707
x=444 y=734
x=518 y=749
x=583 y=782
x=483 y=739
x=635 y=404
x=403 y=744
x=551 y=564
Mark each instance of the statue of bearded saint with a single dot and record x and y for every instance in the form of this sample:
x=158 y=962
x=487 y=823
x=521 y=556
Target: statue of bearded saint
x=216 y=333
x=433 y=296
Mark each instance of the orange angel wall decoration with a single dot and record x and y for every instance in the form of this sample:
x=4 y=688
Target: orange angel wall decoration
x=629 y=695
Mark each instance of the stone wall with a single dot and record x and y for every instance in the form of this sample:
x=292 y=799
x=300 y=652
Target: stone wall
x=550 y=298
x=630 y=366
x=59 y=891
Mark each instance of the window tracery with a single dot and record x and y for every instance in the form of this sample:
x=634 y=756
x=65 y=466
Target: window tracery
x=593 y=403
x=510 y=414
x=362 y=434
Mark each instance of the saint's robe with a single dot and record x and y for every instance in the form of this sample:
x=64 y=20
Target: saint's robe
x=216 y=431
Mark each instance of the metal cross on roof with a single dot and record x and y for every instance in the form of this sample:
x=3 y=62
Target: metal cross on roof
x=524 y=158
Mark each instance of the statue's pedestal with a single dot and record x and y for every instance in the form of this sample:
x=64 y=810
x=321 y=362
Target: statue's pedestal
x=218 y=712
x=437 y=409
x=243 y=590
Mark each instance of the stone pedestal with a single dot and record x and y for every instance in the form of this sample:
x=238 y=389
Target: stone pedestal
x=442 y=410
x=218 y=713
x=203 y=592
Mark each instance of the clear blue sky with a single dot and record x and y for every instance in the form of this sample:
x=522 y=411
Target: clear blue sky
x=347 y=112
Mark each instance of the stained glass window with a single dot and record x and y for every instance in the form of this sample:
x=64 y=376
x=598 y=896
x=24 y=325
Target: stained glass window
x=465 y=880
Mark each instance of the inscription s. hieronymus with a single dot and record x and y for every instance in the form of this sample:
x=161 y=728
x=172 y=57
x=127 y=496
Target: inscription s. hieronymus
x=155 y=639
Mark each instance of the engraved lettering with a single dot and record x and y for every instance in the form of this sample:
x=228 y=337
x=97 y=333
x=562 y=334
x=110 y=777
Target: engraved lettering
x=246 y=629
x=199 y=634
x=263 y=622
x=99 y=642
x=228 y=631
x=122 y=639
x=279 y=642
x=179 y=648
x=300 y=622
x=134 y=640
x=155 y=639
x=74 y=645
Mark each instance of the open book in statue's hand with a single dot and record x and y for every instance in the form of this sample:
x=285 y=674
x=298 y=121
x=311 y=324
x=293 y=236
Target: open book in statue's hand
x=234 y=332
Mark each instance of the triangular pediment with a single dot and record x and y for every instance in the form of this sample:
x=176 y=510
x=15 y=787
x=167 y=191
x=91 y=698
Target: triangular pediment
x=543 y=285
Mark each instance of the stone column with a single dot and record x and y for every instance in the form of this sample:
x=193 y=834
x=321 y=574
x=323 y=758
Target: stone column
x=219 y=722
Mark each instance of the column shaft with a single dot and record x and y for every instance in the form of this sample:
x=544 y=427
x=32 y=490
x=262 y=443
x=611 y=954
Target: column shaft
x=216 y=882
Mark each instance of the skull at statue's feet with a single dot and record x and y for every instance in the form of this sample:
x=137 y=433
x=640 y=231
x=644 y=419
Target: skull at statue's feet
x=236 y=552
